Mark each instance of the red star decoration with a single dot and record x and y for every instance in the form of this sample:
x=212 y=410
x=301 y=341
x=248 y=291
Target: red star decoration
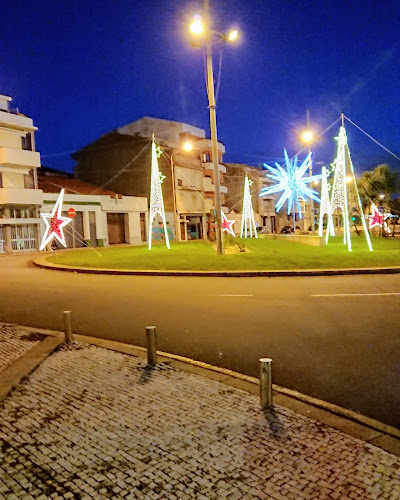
x=54 y=223
x=377 y=218
x=226 y=224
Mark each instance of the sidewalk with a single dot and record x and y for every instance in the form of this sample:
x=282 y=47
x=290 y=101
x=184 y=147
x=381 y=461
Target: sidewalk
x=94 y=423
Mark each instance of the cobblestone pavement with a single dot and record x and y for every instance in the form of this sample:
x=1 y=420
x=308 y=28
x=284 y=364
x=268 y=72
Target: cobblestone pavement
x=93 y=423
x=15 y=341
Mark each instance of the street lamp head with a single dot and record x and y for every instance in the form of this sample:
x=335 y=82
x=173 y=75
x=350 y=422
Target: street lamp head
x=349 y=178
x=187 y=146
x=197 y=27
x=232 y=35
x=307 y=136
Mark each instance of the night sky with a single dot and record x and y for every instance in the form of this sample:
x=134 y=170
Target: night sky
x=83 y=68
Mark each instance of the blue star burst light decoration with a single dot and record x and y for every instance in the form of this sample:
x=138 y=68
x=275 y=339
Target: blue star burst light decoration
x=292 y=183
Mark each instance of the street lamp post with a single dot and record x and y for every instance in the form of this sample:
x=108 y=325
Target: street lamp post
x=307 y=138
x=213 y=130
x=198 y=29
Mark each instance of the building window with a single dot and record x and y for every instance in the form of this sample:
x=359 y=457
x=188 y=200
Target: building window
x=205 y=157
x=29 y=182
x=1 y=180
x=26 y=142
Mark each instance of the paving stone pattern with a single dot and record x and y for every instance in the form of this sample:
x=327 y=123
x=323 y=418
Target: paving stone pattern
x=15 y=341
x=93 y=423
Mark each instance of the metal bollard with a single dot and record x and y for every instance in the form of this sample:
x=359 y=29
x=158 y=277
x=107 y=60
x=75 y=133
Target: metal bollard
x=265 y=383
x=151 y=339
x=68 y=327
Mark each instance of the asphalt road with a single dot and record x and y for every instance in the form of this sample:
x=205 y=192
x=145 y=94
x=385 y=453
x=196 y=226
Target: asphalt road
x=335 y=338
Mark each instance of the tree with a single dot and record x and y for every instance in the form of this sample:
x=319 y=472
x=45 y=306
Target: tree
x=379 y=184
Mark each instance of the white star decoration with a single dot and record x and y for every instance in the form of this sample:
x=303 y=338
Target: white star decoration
x=292 y=183
x=54 y=223
x=227 y=224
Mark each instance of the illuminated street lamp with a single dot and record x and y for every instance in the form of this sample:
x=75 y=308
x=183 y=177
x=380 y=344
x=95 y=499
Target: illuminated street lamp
x=201 y=29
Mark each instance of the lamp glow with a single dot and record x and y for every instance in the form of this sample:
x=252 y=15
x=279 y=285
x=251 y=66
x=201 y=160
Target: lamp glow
x=196 y=27
x=232 y=35
x=188 y=146
x=307 y=136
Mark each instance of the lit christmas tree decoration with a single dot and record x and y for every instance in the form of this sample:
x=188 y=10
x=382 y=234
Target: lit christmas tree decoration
x=325 y=206
x=378 y=218
x=248 y=221
x=55 y=223
x=156 y=198
x=292 y=183
x=343 y=176
x=227 y=224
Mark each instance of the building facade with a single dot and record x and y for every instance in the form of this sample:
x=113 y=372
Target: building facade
x=20 y=198
x=120 y=160
x=101 y=217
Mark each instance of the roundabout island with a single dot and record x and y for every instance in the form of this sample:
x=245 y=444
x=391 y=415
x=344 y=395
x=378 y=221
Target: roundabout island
x=246 y=257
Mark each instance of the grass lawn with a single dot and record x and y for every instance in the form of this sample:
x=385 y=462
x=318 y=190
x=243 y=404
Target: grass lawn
x=264 y=254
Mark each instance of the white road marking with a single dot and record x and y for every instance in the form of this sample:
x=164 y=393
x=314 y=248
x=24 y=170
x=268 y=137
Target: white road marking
x=225 y=295
x=354 y=294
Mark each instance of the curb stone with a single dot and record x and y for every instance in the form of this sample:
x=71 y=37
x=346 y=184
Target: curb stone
x=42 y=262
x=12 y=375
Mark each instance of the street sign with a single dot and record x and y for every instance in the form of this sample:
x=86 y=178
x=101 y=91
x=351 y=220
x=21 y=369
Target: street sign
x=71 y=212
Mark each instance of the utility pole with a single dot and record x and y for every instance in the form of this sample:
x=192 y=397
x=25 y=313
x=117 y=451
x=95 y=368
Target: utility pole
x=310 y=171
x=213 y=129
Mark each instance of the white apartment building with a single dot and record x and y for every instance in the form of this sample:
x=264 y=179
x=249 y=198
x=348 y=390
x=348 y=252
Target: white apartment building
x=20 y=198
x=101 y=217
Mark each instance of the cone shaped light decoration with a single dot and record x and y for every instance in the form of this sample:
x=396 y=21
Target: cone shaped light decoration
x=247 y=211
x=156 y=198
x=325 y=206
x=343 y=178
x=55 y=223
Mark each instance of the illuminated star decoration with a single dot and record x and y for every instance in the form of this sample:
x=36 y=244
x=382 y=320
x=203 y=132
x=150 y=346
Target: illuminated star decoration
x=227 y=224
x=378 y=218
x=292 y=183
x=54 y=223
